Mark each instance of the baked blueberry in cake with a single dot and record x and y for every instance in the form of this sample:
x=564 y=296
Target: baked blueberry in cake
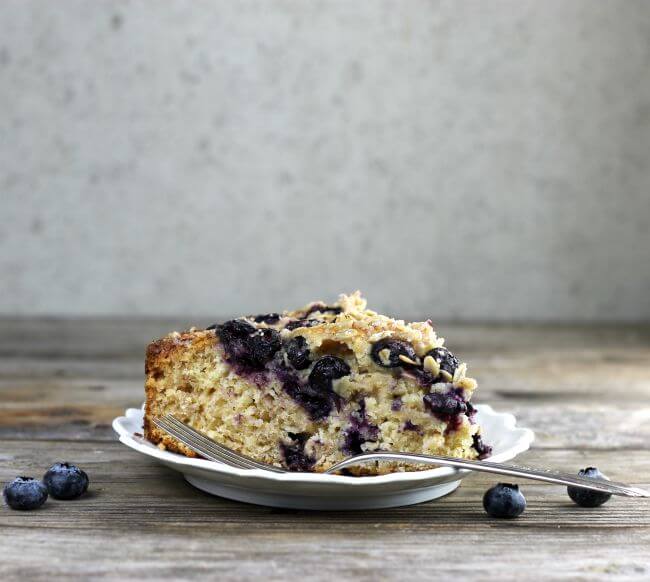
x=306 y=389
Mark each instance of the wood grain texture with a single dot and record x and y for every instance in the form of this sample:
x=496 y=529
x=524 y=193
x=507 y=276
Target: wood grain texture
x=585 y=391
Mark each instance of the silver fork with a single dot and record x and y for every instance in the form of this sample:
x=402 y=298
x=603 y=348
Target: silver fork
x=208 y=448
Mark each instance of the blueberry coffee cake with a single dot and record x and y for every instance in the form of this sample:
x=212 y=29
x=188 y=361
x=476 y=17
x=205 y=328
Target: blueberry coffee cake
x=306 y=389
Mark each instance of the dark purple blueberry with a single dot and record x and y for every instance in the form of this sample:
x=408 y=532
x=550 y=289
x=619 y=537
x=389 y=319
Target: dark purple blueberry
x=315 y=395
x=65 y=481
x=298 y=353
x=396 y=348
x=408 y=425
x=587 y=497
x=267 y=318
x=302 y=323
x=235 y=329
x=325 y=370
x=263 y=345
x=504 y=500
x=359 y=431
x=317 y=403
x=446 y=360
x=213 y=326
x=396 y=404
x=24 y=493
x=248 y=346
x=322 y=308
x=445 y=405
x=480 y=447
x=294 y=456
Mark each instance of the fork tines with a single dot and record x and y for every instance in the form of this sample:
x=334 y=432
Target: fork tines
x=207 y=447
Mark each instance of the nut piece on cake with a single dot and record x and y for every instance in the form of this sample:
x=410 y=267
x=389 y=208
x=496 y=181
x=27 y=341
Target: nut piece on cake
x=306 y=389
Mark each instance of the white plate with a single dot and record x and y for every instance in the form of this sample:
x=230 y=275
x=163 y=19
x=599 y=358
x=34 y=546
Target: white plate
x=318 y=491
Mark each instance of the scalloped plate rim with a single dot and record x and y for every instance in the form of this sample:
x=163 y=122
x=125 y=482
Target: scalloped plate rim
x=521 y=441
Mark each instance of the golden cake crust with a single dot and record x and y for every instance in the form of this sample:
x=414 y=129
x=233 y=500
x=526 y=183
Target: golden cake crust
x=160 y=356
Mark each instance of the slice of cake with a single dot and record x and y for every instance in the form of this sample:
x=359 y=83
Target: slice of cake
x=306 y=389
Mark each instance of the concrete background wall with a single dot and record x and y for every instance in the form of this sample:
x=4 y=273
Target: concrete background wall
x=458 y=160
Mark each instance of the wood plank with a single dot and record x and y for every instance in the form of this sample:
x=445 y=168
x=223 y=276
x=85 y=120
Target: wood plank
x=326 y=555
x=143 y=520
x=24 y=367
x=114 y=337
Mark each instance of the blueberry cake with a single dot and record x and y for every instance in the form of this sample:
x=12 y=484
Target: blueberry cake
x=306 y=389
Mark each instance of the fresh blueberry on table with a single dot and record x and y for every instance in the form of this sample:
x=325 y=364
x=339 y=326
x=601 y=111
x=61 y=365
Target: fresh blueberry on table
x=504 y=500
x=65 y=481
x=586 y=497
x=24 y=493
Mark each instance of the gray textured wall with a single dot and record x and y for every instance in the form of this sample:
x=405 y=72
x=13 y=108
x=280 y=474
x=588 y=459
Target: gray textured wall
x=454 y=159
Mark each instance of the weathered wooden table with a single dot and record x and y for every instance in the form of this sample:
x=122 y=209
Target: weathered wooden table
x=585 y=391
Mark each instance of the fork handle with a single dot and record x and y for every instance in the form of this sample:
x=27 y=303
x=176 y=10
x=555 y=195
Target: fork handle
x=545 y=475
